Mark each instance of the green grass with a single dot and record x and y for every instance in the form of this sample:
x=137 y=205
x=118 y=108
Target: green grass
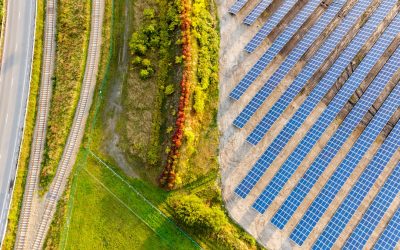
x=109 y=214
x=23 y=161
x=73 y=29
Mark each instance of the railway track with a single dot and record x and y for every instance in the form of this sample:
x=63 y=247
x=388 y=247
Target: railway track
x=72 y=146
x=40 y=126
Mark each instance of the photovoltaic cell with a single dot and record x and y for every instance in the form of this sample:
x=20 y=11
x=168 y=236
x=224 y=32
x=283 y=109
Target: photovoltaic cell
x=391 y=235
x=288 y=64
x=258 y=10
x=359 y=191
x=375 y=212
x=329 y=114
x=270 y=24
x=347 y=166
x=315 y=96
x=311 y=67
x=278 y=44
x=237 y=6
x=334 y=144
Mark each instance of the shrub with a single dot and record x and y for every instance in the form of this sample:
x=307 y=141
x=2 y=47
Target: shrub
x=169 y=89
x=146 y=63
x=178 y=59
x=191 y=211
x=149 y=13
x=199 y=100
x=141 y=49
x=144 y=74
x=137 y=60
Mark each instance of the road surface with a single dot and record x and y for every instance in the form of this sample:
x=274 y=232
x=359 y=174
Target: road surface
x=14 y=90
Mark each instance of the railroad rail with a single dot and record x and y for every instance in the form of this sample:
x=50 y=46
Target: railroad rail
x=39 y=136
x=72 y=146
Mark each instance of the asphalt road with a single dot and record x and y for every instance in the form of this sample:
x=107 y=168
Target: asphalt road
x=14 y=89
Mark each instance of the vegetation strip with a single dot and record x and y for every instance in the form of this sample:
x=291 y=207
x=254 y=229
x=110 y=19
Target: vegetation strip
x=73 y=30
x=168 y=176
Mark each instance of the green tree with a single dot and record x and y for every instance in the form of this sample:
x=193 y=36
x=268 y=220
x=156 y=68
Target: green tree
x=194 y=213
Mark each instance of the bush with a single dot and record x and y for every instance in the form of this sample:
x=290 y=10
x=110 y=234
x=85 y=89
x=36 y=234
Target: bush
x=169 y=89
x=144 y=74
x=137 y=60
x=149 y=13
x=191 y=211
x=146 y=63
x=199 y=100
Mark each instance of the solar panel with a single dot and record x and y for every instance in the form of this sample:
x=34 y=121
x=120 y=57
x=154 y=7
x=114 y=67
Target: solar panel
x=347 y=166
x=256 y=12
x=333 y=145
x=329 y=114
x=360 y=189
x=391 y=235
x=316 y=95
x=270 y=54
x=312 y=66
x=375 y=212
x=270 y=24
x=288 y=64
x=237 y=6
x=264 y=31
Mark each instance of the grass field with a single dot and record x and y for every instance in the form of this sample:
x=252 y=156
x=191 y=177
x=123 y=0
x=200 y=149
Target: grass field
x=108 y=214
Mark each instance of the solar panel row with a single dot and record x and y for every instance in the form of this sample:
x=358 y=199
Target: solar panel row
x=237 y=6
x=310 y=69
x=257 y=11
x=270 y=54
x=313 y=99
x=391 y=235
x=359 y=191
x=334 y=143
x=287 y=65
x=270 y=24
x=347 y=166
x=313 y=135
x=375 y=212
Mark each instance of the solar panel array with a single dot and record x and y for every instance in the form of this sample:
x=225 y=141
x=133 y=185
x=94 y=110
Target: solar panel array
x=343 y=172
x=312 y=66
x=312 y=136
x=313 y=99
x=288 y=64
x=359 y=191
x=270 y=24
x=391 y=235
x=327 y=154
x=375 y=212
x=257 y=11
x=371 y=78
x=237 y=6
x=278 y=44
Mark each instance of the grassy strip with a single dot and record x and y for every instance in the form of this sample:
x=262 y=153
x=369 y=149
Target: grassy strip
x=23 y=161
x=73 y=29
x=2 y=11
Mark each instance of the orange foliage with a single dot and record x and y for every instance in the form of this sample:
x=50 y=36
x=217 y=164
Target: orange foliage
x=168 y=176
